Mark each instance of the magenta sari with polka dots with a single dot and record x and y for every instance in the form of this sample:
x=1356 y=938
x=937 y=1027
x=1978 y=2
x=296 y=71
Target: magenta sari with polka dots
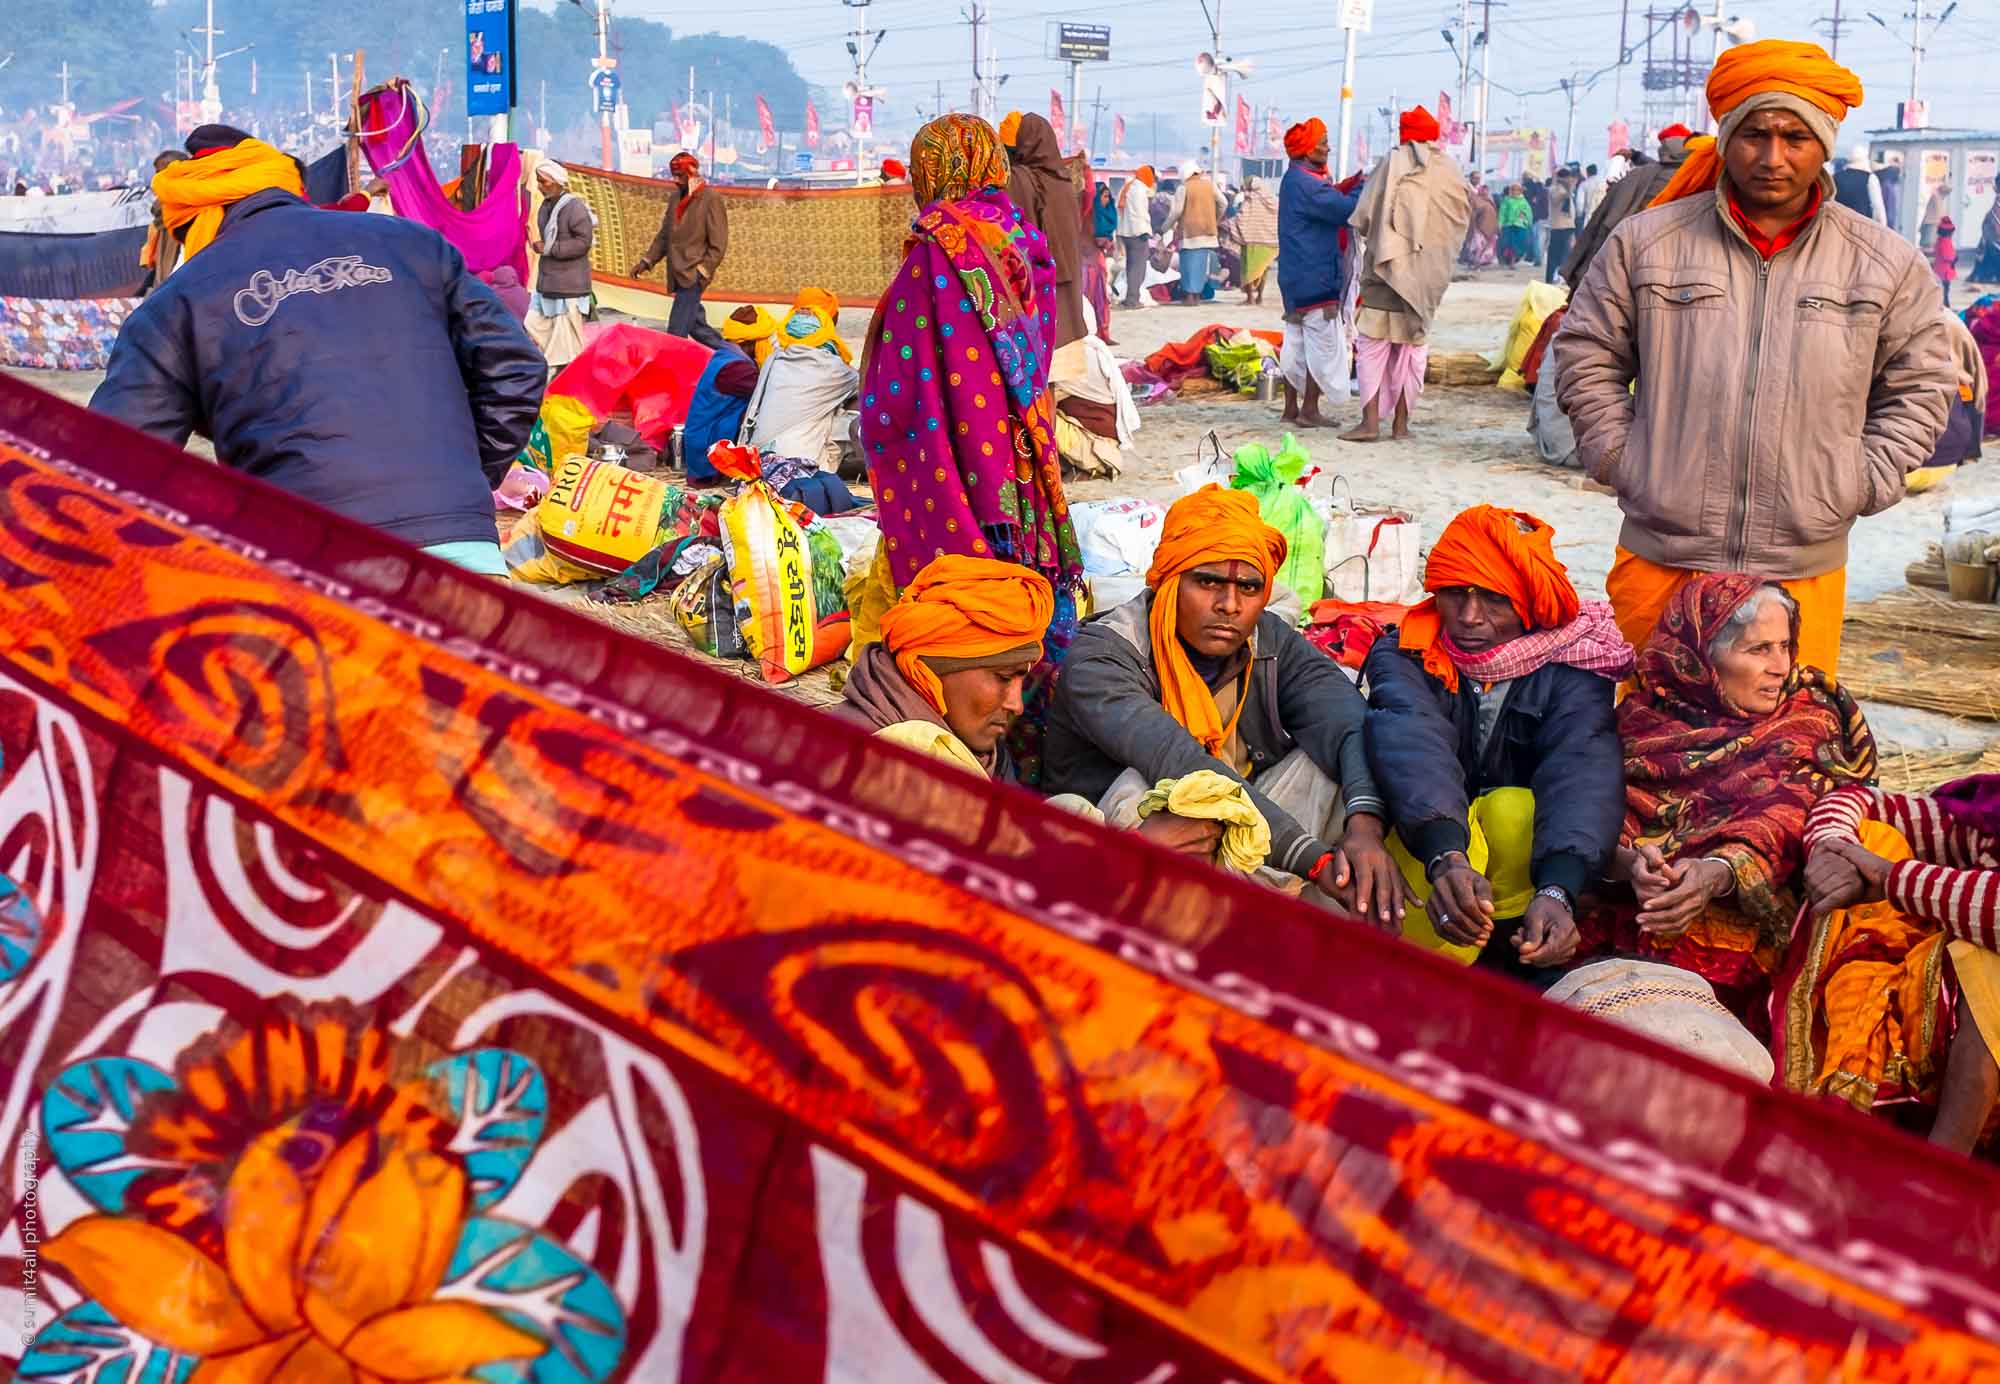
x=956 y=419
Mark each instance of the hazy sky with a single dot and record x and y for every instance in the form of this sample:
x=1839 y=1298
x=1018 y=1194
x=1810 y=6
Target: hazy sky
x=1297 y=52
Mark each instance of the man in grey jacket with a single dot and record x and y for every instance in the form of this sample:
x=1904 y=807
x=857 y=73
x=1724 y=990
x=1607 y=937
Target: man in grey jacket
x=1751 y=366
x=1283 y=719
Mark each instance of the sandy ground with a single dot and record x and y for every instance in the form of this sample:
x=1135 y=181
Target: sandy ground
x=1469 y=446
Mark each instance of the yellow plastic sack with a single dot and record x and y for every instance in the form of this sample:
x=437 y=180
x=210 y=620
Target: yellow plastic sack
x=529 y=559
x=772 y=575
x=601 y=515
x=1536 y=304
x=870 y=593
x=562 y=430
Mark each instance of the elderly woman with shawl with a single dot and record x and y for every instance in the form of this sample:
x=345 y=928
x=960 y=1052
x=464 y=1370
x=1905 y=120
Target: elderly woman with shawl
x=1482 y=237
x=956 y=420
x=1728 y=742
x=1413 y=211
x=1490 y=732
x=1891 y=1001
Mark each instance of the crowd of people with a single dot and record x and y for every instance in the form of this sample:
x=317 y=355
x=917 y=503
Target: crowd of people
x=1518 y=778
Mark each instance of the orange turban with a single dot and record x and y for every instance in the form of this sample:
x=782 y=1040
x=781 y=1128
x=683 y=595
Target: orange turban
x=1304 y=137
x=1145 y=174
x=194 y=193
x=1500 y=550
x=1010 y=127
x=1798 y=77
x=1417 y=126
x=1211 y=525
x=965 y=608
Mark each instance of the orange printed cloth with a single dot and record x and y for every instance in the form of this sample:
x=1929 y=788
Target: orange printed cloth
x=1212 y=525
x=404 y=978
x=961 y=608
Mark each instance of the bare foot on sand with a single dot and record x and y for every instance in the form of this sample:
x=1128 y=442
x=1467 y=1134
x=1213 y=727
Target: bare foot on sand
x=1363 y=433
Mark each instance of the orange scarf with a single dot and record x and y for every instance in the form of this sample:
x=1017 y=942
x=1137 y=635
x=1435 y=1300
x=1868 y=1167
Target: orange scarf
x=1799 y=70
x=1211 y=525
x=965 y=608
x=1500 y=550
x=196 y=192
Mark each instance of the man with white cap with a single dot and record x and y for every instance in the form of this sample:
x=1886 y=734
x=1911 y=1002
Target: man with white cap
x=1749 y=365
x=1857 y=188
x=1197 y=215
x=564 y=229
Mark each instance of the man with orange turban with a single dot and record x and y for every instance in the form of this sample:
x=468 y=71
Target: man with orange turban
x=692 y=239
x=1195 y=673
x=1413 y=217
x=1312 y=276
x=1135 y=232
x=946 y=678
x=1490 y=729
x=247 y=341
x=1750 y=365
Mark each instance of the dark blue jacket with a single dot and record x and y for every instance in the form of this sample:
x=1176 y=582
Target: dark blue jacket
x=349 y=359
x=1311 y=211
x=1555 y=735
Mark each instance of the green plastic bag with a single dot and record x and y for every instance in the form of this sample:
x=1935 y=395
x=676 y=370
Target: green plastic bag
x=1236 y=366
x=1284 y=506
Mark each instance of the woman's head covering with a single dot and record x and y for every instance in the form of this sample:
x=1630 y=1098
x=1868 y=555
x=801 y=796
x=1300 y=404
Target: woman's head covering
x=966 y=612
x=1499 y=550
x=1701 y=776
x=1304 y=137
x=1795 y=77
x=1036 y=146
x=1417 y=126
x=955 y=156
x=1010 y=125
x=194 y=194
x=1211 y=525
x=553 y=171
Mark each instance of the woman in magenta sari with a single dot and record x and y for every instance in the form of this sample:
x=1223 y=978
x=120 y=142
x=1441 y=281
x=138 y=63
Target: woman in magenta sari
x=957 y=424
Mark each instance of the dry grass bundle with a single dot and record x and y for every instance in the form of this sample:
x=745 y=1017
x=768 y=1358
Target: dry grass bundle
x=1920 y=771
x=652 y=620
x=1459 y=367
x=1920 y=649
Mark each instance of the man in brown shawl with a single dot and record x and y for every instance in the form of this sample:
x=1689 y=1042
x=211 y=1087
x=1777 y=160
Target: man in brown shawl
x=1039 y=184
x=1412 y=218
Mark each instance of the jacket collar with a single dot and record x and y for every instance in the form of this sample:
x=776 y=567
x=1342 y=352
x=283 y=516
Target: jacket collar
x=1814 y=220
x=257 y=202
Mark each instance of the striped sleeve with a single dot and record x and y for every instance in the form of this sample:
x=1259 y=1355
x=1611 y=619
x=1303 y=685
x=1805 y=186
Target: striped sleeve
x=1838 y=815
x=1933 y=836
x=1966 y=903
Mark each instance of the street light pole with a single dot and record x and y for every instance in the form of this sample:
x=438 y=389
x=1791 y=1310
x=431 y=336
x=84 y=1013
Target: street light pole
x=603 y=54
x=1215 y=132
x=1346 y=105
x=1485 y=83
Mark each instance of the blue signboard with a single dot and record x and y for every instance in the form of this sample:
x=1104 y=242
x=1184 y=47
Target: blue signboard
x=489 y=43
x=604 y=89
x=803 y=162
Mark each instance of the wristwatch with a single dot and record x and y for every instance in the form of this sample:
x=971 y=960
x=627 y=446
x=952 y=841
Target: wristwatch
x=1440 y=863
x=1560 y=895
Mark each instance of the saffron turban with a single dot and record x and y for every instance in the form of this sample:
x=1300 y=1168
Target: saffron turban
x=1499 y=550
x=1211 y=525
x=1304 y=137
x=966 y=612
x=1417 y=126
x=1010 y=127
x=1675 y=131
x=1796 y=77
x=1146 y=174
x=683 y=162
x=194 y=193
x=893 y=168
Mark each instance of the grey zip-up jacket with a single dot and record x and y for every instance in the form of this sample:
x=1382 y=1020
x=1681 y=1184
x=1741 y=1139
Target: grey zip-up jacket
x=1776 y=402
x=1106 y=718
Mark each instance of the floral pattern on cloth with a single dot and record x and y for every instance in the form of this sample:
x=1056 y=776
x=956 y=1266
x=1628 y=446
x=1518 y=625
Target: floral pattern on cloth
x=1704 y=779
x=303 y=1197
x=61 y=333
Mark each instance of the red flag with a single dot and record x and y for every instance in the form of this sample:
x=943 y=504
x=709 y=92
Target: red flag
x=1117 y=132
x=767 y=135
x=1056 y=113
x=812 y=127
x=1242 y=126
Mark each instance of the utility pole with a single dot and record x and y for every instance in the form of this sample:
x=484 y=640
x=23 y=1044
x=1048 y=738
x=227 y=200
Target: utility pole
x=1073 y=113
x=603 y=58
x=1464 y=55
x=1573 y=91
x=1918 y=40
x=861 y=47
x=1485 y=82
x=305 y=74
x=1096 y=116
x=1618 y=77
x=1215 y=52
x=1346 y=105
x=1832 y=26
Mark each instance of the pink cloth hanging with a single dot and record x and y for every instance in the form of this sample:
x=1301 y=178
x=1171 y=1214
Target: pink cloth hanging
x=495 y=234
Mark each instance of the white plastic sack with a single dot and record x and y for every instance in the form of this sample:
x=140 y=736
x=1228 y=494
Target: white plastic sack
x=1210 y=467
x=1117 y=536
x=1371 y=555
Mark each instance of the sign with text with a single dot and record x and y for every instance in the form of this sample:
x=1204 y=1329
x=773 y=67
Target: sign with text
x=489 y=45
x=1355 y=14
x=604 y=84
x=1079 y=42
